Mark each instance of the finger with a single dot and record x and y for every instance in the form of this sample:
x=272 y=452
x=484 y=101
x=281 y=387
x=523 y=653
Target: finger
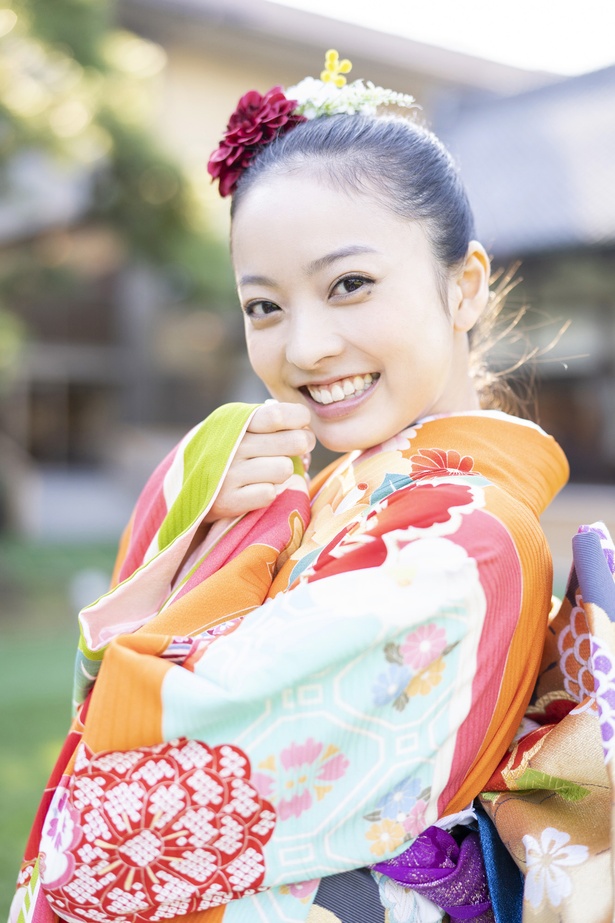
x=241 y=501
x=272 y=470
x=275 y=416
x=287 y=442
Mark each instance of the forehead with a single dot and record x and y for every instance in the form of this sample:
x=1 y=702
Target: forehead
x=306 y=205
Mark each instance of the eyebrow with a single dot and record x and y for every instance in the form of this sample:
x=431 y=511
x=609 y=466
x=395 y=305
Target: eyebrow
x=324 y=261
x=315 y=266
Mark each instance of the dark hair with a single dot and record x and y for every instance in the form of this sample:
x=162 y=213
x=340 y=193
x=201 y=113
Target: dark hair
x=414 y=174
x=400 y=160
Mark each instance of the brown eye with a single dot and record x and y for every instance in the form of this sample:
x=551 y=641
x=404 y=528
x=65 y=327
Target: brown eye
x=261 y=308
x=350 y=284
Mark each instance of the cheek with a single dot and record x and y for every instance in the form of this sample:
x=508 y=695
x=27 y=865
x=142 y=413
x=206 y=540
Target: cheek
x=255 y=357
x=430 y=337
x=262 y=355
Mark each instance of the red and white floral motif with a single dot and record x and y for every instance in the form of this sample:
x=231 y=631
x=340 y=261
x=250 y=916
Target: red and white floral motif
x=430 y=463
x=178 y=829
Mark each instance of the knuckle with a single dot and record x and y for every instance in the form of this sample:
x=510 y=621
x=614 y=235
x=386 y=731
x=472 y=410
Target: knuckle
x=293 y=414
x=301 y=442
x=275 y=416
x=259 y=416
x=309 y=441
x=262 y=420
x=287 y=467
x=266 y=495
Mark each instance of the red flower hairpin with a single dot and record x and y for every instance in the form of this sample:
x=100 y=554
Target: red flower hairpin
x=256 y=121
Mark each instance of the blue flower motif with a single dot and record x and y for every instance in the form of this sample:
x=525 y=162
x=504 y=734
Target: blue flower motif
x=401 y=799
x=391 y=683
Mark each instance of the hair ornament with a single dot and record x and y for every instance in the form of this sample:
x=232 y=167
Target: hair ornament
x=316 y=98
x=258 y=120
x=334 y=69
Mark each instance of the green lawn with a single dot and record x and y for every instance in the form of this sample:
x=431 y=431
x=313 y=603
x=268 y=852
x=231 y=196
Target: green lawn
x=38 y=635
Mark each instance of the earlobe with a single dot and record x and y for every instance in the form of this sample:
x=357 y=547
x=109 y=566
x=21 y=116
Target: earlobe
x=472 y=287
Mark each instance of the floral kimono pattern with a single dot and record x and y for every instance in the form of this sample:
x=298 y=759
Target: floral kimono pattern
x=326 y=680
x=551 y=798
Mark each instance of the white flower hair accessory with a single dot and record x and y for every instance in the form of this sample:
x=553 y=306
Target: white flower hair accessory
x=332 y=95
x=259 y=120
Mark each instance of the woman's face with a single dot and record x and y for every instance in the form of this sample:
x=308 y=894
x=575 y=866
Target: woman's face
x=343 y=312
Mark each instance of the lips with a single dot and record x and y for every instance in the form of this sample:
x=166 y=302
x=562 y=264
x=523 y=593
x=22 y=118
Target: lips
x=343 y=389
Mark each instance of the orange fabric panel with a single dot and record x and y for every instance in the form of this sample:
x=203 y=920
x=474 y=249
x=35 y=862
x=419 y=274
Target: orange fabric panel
x=132 y=674
x=240 y=586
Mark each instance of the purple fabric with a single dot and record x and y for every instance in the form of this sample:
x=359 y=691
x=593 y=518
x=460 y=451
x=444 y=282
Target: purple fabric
x=451 y=876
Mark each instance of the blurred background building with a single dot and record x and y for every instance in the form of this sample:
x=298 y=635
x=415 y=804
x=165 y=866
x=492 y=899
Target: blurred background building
x=119 y=327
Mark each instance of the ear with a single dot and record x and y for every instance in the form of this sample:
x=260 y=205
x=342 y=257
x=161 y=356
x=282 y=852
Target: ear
x=470 y=289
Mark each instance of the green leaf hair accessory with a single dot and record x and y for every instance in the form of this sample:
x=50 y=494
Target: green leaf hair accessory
x=332 y=95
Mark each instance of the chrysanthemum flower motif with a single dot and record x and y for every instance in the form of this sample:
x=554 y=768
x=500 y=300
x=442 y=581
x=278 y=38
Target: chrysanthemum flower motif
x=423 y=645
x=397 y=803
x=390 y=684
x=574 y=645
x=177 y=830
x=440 y=463
x=546 y=861
x=414 y=822
x=422 y=683
x=385 y=837
x=334 y=68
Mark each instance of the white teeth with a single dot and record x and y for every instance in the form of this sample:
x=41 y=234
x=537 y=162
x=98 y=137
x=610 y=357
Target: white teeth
x=342 y=389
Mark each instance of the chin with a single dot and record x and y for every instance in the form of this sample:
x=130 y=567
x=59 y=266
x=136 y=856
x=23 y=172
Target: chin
x=342 y=443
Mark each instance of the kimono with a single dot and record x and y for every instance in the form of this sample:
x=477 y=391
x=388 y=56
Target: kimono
x=318 y=691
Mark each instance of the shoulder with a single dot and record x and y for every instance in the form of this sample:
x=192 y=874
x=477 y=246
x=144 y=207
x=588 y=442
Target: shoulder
x=479 y=481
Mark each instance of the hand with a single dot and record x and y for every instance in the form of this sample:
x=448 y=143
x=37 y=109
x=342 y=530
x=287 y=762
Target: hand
x=263 y=460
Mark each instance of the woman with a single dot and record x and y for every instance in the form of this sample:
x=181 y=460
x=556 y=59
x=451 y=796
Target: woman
x=302 y=691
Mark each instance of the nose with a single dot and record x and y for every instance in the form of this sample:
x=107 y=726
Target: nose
x=312 y=338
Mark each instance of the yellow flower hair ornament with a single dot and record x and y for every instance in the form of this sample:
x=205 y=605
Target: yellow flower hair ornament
x=334 y=69
x=258 y=120
x=332 y=95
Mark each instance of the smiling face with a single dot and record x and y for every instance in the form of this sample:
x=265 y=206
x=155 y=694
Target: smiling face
x=344 y=313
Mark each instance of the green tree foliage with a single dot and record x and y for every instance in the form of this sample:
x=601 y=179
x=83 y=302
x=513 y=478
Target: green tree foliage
x=77 y=88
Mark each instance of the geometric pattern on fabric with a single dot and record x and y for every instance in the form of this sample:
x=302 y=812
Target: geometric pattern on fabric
x=202 y=846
